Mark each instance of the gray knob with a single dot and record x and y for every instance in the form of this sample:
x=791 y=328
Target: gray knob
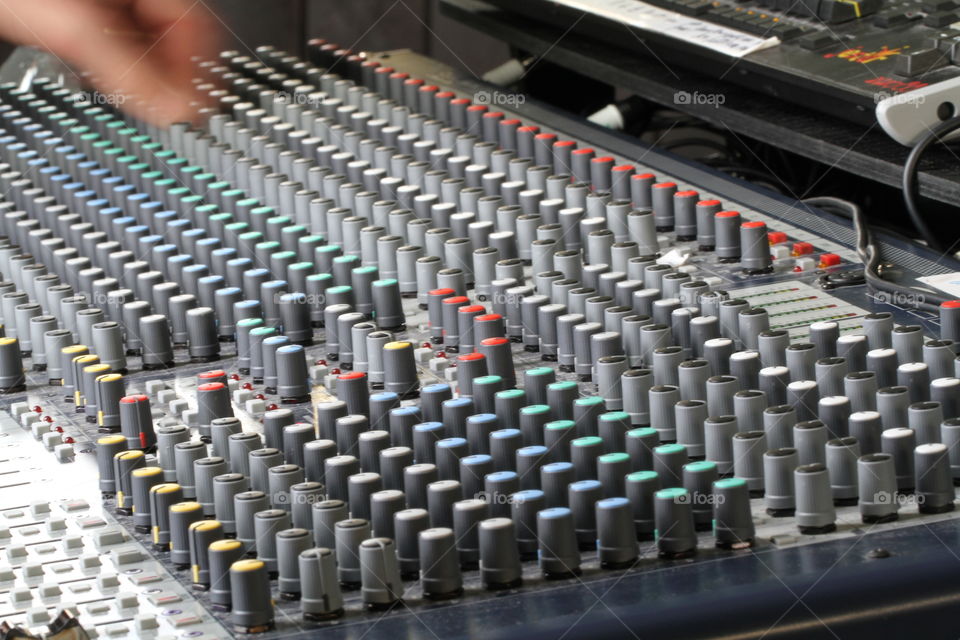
x=748 y=450
x=349 y=534
x=202 y=534
x=934 y=483
x=499 y=558
x=866 y=427
x=677 y=537
x=252 y=610
x=204 y=471
x=861 y=388
x=379 y=573
x=698 y=479
x=842 y=455
x=225 y=489
x=246 y=505
x=925 y=419
x=266 y=525
x=320 y=597
x=731 y=510
x=778 y=423
x=877 y=480
x=778 y=467
x=559 y=551
x=143 y=480
x=221 y=555
x=718 y=441
x=815 y=512
x=440 y=576
x=182 y=516
x=290 y=544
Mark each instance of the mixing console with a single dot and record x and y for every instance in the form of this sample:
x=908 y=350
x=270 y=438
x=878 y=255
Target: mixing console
x=361 y=356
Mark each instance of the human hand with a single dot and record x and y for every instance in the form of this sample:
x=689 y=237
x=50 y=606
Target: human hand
x=138 y=52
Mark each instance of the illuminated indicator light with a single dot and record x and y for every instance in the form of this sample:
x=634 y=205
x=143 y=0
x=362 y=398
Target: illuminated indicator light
x=260 y=396
x=777 y=237
x=37 y=409
x=441 y=354
x=802 y=249
x=234 y=376
x=48 y=418
x=321 y=362
x=69 y=440
x=335 y=371
x=247 y=386
x=272 y=407
x=829 y=260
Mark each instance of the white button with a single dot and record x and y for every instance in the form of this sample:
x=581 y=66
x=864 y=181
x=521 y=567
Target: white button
x=144 y=622
x=51 y=439
x=64 y=452
x=16 y=551
x=32 y=570
x=38 y=616
x=127 y=601
x=126 y=556
x=21 y=595
x=72 y=542
x=255 y=407
x=49 y=590
x=108 y=581
x=19 y=408
x=89 y=562
x=39 y=509
x=56 y=524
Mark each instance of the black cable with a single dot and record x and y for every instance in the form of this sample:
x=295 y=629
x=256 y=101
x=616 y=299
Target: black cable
x=910 y=191
x=869 y=254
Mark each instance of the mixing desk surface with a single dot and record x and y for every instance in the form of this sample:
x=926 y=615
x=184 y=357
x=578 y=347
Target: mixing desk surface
x=364 y=355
